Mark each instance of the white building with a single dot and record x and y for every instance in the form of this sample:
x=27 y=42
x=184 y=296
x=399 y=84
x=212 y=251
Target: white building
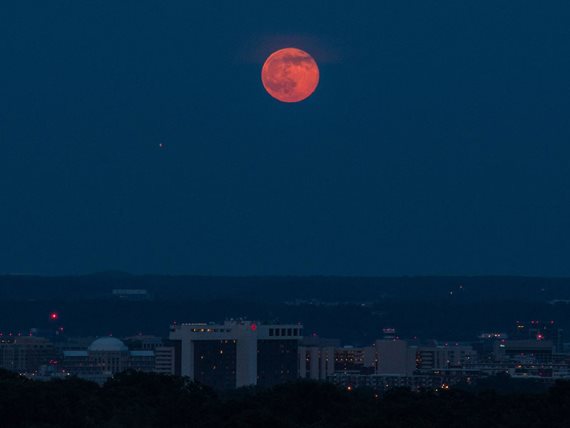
x=237 y=353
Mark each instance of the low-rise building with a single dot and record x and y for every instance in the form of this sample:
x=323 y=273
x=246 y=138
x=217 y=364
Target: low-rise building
x=25 y=354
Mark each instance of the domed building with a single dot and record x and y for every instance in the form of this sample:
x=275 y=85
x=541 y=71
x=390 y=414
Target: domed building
x=109 y=354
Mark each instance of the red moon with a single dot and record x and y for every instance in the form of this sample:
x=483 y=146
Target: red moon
x=290 y=75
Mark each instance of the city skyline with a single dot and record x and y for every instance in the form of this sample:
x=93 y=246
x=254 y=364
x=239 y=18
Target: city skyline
x=301 y=214
x=243 y=353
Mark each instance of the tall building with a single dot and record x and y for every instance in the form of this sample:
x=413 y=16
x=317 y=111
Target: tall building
x=317 y=357
x=237 y=353
x=277 y=356
x=394 y=357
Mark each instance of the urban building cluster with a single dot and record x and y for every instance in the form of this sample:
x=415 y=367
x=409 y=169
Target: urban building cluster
x=240 y=353
x=532 y=350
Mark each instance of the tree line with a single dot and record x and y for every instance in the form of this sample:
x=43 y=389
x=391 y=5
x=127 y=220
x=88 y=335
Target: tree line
x=134 y=399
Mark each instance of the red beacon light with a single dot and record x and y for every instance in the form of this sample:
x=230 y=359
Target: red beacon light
x=253 y=327
x=53 y=316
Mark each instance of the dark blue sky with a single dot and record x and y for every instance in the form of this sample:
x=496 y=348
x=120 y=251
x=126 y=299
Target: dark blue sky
x=438 y=140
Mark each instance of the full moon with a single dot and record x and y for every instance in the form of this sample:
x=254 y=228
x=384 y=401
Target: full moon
x=290 y=75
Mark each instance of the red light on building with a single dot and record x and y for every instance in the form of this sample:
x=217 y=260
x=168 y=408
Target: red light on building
x=253 y=327
x=53 y=316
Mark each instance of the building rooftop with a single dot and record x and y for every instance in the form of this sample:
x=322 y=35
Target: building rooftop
x=108 y=344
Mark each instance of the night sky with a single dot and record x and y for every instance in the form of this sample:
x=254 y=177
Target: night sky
x=437 y=142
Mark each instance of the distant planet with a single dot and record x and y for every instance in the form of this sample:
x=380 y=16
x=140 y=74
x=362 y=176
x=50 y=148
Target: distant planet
x=290 y=75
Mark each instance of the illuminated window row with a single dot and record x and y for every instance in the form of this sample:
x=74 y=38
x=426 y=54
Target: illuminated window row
x=285 y=332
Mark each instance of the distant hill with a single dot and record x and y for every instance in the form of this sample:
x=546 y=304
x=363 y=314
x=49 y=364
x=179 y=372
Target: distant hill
x=322 y=288
x=350 y=308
